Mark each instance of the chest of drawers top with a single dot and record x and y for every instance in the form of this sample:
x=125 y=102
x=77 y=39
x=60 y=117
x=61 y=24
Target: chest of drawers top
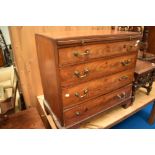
x=75 y=38
x=86 y=72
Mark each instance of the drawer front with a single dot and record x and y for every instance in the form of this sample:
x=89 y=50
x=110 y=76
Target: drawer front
x=84 y=72
x=79 y=93
x=97 y=105
x=74 y=55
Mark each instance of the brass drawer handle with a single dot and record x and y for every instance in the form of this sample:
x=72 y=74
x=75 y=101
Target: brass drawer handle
x=122 y=95
x=137 y=43
x=78 y=74
x=82 y=96
x=78 y=112
x=123 y=78
x=129 y=48
x=126 y=62
x=78 y=54
x=132 y=47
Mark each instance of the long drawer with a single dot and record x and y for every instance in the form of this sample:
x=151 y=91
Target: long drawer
x=88 y=71
x=81 y=112
x=74 y=55
x=90 y=89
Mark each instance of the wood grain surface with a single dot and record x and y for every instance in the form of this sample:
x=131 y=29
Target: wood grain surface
x=25 y=54
x=96 y=69
x=115 y=115
x=96 y=87
x=91 y=108
x=27 y=119
x=67 y=55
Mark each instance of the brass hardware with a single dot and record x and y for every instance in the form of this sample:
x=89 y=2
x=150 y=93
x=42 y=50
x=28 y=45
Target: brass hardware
x=129 y=48
x=85 y=53
x=82 y=96
x=123 y=77
x=126 y=62
x=67 y=95
x=82 y=42
x=78 y=74
x=42 y=115
x=77 y=113
x=122 y=95
x=137 y=43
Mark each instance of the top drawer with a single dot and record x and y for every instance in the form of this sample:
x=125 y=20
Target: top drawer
x=73 y=55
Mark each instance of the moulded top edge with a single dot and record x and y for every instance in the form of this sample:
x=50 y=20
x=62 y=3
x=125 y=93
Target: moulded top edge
x=88 y=34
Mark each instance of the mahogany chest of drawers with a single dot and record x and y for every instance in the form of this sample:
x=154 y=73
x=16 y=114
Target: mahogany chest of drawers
x=85 y=73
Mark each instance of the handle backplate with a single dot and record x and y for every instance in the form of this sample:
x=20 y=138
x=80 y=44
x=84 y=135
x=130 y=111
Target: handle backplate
x=126 y=62
x=122 y=95
x=79 y=54
x=85 y=92
x=123 y=78
x=80 y=75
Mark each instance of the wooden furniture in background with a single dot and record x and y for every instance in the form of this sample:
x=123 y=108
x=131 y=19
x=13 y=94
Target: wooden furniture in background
x=1 y=58
x=144 y=76
x=151 y=39
x=130 y=28
x=25 y=55
x=27 y=119
x=151 y=49
x=151 y=119
x=147 y=52
x=146 y=56
x=8 y=89
x=86 y=73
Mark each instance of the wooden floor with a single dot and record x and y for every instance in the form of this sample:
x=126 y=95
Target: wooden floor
x=26 y=119
x=115 y=115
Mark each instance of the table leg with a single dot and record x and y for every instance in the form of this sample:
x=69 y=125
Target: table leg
x=149 y=87
x=134 y=88
x=151 y=119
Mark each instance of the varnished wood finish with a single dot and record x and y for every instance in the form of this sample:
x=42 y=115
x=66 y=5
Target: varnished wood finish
x=67 y=55
x=102 y=75
x=96 y=69
x=143 y=67
x=27 y=119
x=96 y=87
x=99 y=104
x=145 y=56
x=151 y=119
x=151 y=39
x=144 y=76
x=75 y=38
x=25 y=54
x=46 y=53
x=117 y=114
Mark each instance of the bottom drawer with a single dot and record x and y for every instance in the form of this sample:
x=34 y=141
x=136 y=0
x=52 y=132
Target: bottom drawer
x=91 y=108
